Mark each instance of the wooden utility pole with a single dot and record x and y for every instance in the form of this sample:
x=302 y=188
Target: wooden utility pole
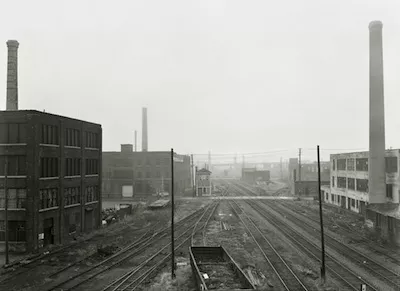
x=300 y=164
x=281 y=170
x=321 y=220
x=192 y=174
x=6 y=207
x=172 y=217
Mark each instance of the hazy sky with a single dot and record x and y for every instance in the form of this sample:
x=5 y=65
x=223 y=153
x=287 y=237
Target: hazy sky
x=226 y=76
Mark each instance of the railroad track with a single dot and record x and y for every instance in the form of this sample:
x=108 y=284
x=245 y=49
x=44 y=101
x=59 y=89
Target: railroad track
x=376 y=269
x=347 y=232
x=285 y=274
x=43 y=258
x=132 y=250
x=348 y=277
x=140 y=273
x=204 y=220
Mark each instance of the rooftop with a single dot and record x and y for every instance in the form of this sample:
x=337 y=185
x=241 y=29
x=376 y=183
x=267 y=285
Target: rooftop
x=37 y=112
x=387 y=209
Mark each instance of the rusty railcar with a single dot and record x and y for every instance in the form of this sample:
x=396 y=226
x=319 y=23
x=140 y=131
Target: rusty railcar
x=214 y=269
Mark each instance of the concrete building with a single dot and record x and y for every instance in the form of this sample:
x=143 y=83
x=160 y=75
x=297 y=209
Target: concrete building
x=132 y=176
x=203 y=183
x=53 y=180
x=349 y=187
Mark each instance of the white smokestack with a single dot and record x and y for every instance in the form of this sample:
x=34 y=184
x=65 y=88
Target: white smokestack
x=144 y=130
x=376 y=162
x=12 y=75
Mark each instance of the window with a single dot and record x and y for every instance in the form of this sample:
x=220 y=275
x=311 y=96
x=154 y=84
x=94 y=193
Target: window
x=16 y=198
x=341 y=181
x=357 y=203
x=139 y=174
x=91 y=140
x=72 y=167
x=341 y=164
x=16 y=165
x=333 y=197
x=91 y=194
x=72 y=137
x=351 y=184
x=391 y=164
x=389 y=191
x=333 y=165
x=333 y=181
x=362 y=185
x=72 y=196
x=92 y=167
x=49 y=134
x=49 y=167
x=326 y=196
x=350 y=164
x=16 y=231
x=362 y=164
x=12 y=133
x=48 y=198
x=148 y=175
x=353 y=203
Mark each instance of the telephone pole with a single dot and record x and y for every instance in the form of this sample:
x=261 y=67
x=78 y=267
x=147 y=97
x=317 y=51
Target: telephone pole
x=172 y=217
x=193 y=174
x=6 y=207
x=321 y=219
x=299 y=164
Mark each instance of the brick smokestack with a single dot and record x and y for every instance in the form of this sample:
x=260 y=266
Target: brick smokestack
x=376 y=162
x=12 y=75
x=144 y=130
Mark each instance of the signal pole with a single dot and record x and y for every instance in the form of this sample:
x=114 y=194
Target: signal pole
x=299 y=164
x=6 y=207
x=321 y=219
x=172 y=217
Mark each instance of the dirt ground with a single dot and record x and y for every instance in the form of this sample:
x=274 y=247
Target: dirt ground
x=119 y=234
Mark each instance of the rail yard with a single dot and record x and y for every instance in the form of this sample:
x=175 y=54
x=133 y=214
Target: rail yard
x=273 y=243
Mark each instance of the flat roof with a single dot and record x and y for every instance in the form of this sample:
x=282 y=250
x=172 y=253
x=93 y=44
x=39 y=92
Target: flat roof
x=31 y=111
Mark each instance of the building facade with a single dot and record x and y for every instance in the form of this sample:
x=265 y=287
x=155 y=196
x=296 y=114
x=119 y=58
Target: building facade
x=203 y=183
x=253 y=175
x=349 y=180
x=53 y=180
x=133 y=175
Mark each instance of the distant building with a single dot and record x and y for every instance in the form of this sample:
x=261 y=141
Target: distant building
x=53 y=179
x=203 y=183
x=130 y=175
x=253 y=175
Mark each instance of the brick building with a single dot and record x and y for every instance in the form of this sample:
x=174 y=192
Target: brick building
x=130 y=175
x=53 y=180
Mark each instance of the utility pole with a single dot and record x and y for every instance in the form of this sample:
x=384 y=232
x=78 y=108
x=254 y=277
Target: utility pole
x=299 y=164
x=192 y=174
x=6 y=207
x=321 y=219
x=172 y=217
x=281 y=170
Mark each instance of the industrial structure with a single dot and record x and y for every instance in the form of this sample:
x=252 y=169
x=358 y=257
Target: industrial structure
x=203 y=182
x=254 y=175
x=49 y=170
x=368 y=182
x=130 y=175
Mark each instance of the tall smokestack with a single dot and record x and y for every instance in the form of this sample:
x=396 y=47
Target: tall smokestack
x=135 y=140
x=144 y=129
x=376 y=162
x=12 y=75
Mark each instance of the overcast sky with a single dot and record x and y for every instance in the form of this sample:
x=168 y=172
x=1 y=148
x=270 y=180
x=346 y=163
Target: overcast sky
x=226 y=76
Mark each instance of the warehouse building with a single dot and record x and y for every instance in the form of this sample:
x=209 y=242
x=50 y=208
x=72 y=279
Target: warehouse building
x=132 y=176
x=254 y=175
x=53 y=180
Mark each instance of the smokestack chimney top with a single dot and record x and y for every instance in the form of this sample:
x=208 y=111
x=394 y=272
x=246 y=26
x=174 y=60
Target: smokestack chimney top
x=12 y=43
x=375 y=25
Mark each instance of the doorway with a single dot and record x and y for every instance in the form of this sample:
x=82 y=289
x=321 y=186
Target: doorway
x=89 y=220
x=48 y=230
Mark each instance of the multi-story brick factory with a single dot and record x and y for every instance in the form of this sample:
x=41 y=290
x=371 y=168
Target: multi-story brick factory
x=50 y=170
